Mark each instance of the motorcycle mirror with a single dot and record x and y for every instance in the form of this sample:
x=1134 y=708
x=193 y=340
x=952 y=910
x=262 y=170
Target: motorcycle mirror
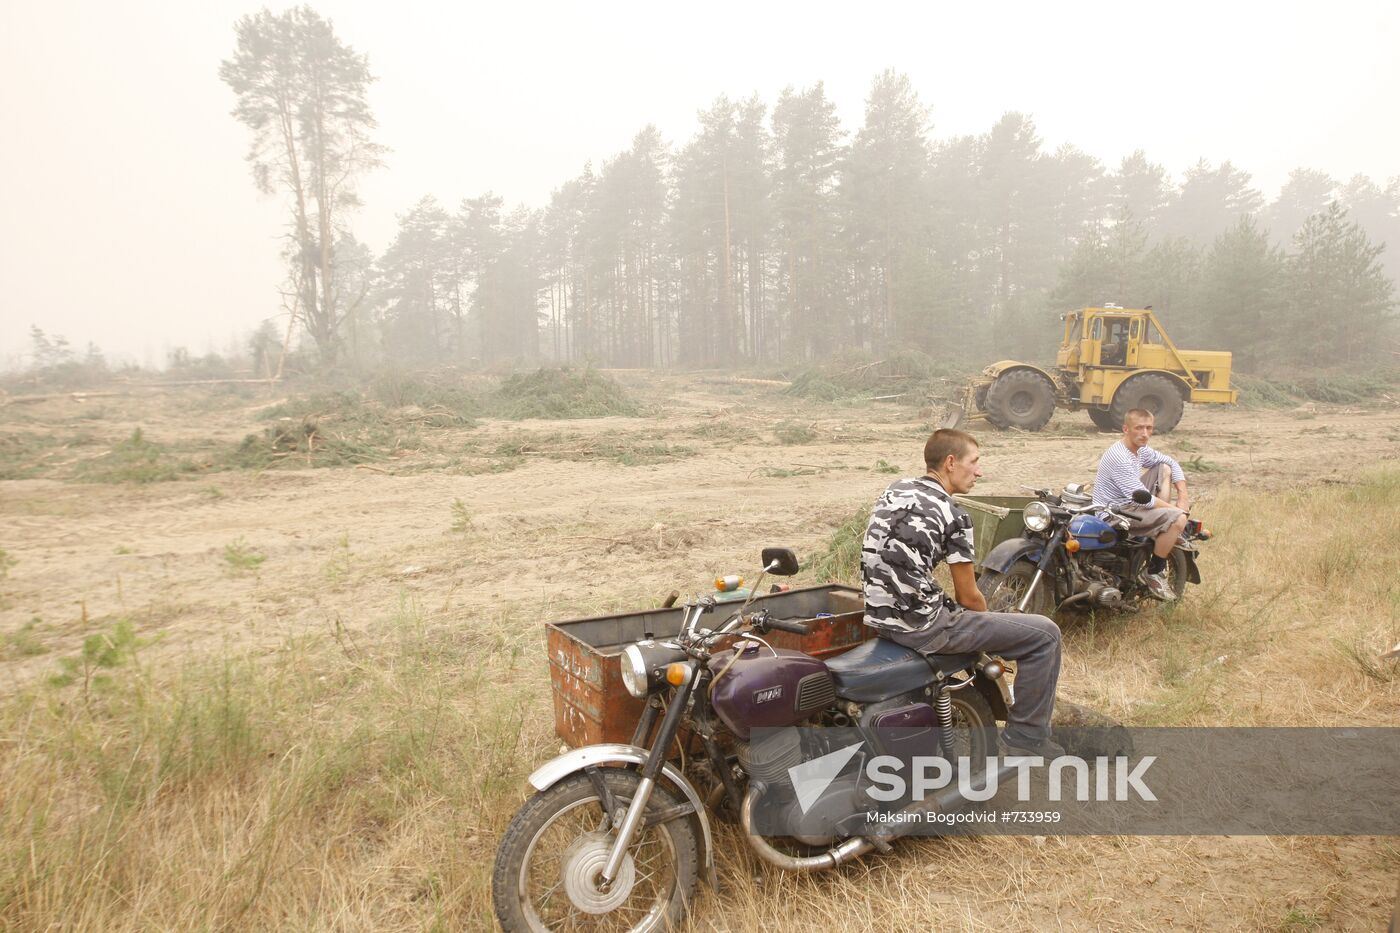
x=779 y=561
x=1142 y=496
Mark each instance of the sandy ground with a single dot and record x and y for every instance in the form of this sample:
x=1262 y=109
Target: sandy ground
x=558 y=538
x=551 y=536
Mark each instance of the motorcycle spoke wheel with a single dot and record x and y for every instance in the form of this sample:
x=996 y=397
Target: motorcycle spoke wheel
x=1004 y=591
x=550 y=859
x=1176 y=573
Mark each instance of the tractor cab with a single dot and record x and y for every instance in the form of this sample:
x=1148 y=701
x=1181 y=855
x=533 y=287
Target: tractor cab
x=1109 y=336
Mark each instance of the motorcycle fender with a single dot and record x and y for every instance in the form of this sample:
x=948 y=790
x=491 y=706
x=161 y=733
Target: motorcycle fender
x=1011 y=550
x=1193 y=573
x=555 y=770
x=996 y=695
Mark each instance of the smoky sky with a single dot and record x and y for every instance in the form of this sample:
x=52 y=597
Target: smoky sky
x=128 y=217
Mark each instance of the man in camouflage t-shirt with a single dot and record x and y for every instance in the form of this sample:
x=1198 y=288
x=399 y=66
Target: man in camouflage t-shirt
x=915 y=525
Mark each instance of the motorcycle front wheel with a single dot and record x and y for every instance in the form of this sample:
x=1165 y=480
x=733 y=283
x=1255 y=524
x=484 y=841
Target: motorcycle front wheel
x=1004 y=591
x=1177 y=572
x=552 y=854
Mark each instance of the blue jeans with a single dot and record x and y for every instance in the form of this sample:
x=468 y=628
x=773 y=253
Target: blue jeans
x=1032 y=641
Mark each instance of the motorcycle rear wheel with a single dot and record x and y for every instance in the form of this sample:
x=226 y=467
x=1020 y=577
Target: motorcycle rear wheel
x=974 y=726
x=551 y=854
x=1005 y=590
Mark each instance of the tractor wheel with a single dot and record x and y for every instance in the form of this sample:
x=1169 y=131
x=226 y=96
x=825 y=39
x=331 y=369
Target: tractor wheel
x=1154 y=392
x=979 y=396
x=1103 y=419
x=1021 y=398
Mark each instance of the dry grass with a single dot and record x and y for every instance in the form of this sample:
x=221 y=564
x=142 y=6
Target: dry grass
x=347 y=781
x=1297 y=604
x=359 y=779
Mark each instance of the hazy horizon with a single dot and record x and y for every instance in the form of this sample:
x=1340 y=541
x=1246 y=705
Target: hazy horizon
x=131 y=219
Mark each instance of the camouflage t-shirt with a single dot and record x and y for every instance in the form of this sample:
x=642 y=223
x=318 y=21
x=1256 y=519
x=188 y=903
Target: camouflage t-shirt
x=913 y=526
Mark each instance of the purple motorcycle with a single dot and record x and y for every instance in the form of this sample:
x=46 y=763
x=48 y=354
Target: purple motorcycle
x=617 y=836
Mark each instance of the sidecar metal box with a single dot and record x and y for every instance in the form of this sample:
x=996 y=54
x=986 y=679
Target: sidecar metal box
x=585 y=671
x=994 y=520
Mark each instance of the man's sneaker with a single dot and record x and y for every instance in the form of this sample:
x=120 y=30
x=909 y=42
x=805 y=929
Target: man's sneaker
x=1031 y=748
x=1158 y=586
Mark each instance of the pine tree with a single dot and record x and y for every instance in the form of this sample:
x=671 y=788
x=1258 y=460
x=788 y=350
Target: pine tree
x=1107 y=268
x=303 y=93
x=1141 y=189
x=884 y=190
x=1377 y=211
x=1241 y=294
x=1339 y=298
x=1167 y=279
x=1016 y=261
x=1211 y=201
x=1305 y=193
x=959 y=325
x=411 y=278
x=807 y=139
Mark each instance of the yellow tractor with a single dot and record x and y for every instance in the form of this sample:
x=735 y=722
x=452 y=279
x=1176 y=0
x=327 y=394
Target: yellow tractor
x=1112 y=359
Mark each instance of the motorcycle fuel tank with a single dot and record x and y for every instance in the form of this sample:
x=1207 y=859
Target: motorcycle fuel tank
x=768 y=687
x=1092 y=533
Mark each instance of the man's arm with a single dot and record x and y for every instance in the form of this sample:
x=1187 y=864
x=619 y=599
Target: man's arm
x=965 y=589
x=1183 y=501
x=960 y=557
x=1150 y=458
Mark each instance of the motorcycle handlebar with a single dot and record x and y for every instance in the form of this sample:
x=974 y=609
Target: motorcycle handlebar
x=783 y=625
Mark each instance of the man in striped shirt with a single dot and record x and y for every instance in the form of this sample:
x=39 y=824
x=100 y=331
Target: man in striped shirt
x=1122 y=471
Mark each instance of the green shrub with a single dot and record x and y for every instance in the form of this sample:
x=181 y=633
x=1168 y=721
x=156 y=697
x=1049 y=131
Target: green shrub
x=306 y=443
x=1339 y=387
x=101 y=652
x=841 y=558
x=454 y=404
x=852 y=376
x=561 y=393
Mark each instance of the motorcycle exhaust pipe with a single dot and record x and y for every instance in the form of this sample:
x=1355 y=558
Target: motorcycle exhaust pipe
x=848 y=850
x=1074 y=600
x=949 y=799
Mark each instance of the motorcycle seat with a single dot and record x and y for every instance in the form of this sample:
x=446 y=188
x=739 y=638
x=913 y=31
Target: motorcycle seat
x=879 y=669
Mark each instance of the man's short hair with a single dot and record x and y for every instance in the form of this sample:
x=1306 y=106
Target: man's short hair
x=1137 y=414
x=947 y=442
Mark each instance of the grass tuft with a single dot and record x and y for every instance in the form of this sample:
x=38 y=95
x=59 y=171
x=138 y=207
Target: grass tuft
x=134 y=460
x=794 y=432
x=240 y=556
x=461 y=517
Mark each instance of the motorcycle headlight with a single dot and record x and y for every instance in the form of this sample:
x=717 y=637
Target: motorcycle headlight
x=1036 y=516
x=644 y=666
